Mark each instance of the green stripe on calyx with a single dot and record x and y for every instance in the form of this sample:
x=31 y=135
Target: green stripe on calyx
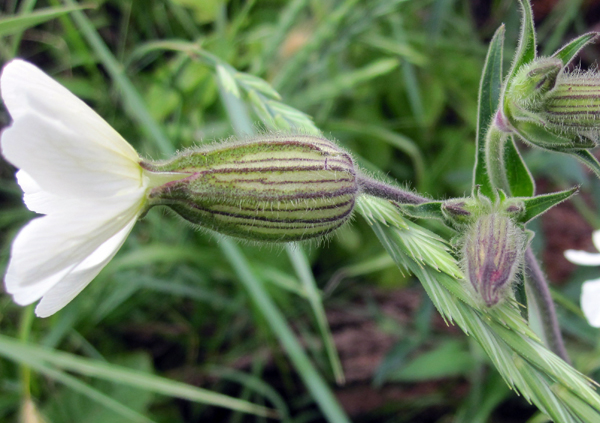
x=564 y=105
x=273 y=188
x=574 y=105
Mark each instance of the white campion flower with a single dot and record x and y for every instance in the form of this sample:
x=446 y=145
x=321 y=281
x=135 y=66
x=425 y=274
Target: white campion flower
x=590 y=290
x=78 y=172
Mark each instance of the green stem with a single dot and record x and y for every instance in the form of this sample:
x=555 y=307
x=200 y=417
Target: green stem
x=538 y=285
x=494 y=158
x=24 y=332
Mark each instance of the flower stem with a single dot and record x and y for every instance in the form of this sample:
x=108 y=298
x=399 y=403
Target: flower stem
x=24 y=331
x=389 y=192
x=536 y=281
x=495 y=144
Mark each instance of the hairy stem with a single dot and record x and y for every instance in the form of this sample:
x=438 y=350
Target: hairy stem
x=536 y=281
x=389 y=192
x=494 y=158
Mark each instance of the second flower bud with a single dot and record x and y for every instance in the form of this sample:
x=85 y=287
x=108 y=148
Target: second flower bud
x=272 y=188
x=492 y=252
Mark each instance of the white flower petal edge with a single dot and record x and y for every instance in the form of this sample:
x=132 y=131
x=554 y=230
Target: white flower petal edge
x=590 y=301
x=77 y=171
x=596 y=239
x=590 y=290
x=583 y=258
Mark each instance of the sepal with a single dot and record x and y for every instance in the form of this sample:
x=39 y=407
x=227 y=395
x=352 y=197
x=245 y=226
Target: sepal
x=570 y=50
x=535 y=206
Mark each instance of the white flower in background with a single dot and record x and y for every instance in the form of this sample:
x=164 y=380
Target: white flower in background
x=590 y=291
x=80 y=174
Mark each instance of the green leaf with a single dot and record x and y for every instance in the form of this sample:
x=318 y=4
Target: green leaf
x=535 y=206
x=345 y=81
x=432 y=210
x=519 y=178
x=305 y=274
x=450 y=359
x=489 y=96
x=588 y=159
x=570 y=50
x=526 y=50
x=77 y=405
x=13 y=24
x=108 y=403
x=277 y=322
x=132 y=100
x=29 y=354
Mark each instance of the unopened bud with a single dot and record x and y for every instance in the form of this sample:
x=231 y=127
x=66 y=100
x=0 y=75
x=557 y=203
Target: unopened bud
x=572 y=108
x=563 y=107
x=533 y=81
x=274 y=188
x=493 y=249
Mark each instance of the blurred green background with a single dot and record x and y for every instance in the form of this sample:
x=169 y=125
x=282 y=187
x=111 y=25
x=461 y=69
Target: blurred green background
x=393 y=81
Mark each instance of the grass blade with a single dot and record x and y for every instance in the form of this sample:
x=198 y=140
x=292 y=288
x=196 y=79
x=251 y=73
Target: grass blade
x=312 y=379
x=17 y=24
x=93 y=368
x=304 y=272
x=133 y=102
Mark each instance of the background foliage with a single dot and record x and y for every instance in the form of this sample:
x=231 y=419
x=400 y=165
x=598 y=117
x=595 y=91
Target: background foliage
x=396 y=83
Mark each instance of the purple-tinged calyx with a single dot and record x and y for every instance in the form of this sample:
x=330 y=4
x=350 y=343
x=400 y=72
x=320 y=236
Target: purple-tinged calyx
x=493 y=251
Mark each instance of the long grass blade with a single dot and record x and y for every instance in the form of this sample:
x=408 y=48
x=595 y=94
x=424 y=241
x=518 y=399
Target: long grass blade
x=17 y=351
x=304 y=272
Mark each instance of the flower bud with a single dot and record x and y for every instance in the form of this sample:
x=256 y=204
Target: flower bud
x=573 y=106
x=493 y=249
x=533 y=81
x=551 y=108
x=274 y=188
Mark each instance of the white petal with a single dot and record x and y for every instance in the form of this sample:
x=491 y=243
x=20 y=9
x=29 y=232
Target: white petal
x=24 y=88
x=65 y=162
x=24 y=295
x=590 y=301
x=59 y=242
x=41 y=201
x=72 y=284
x=596 y=239
x=583 y=258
